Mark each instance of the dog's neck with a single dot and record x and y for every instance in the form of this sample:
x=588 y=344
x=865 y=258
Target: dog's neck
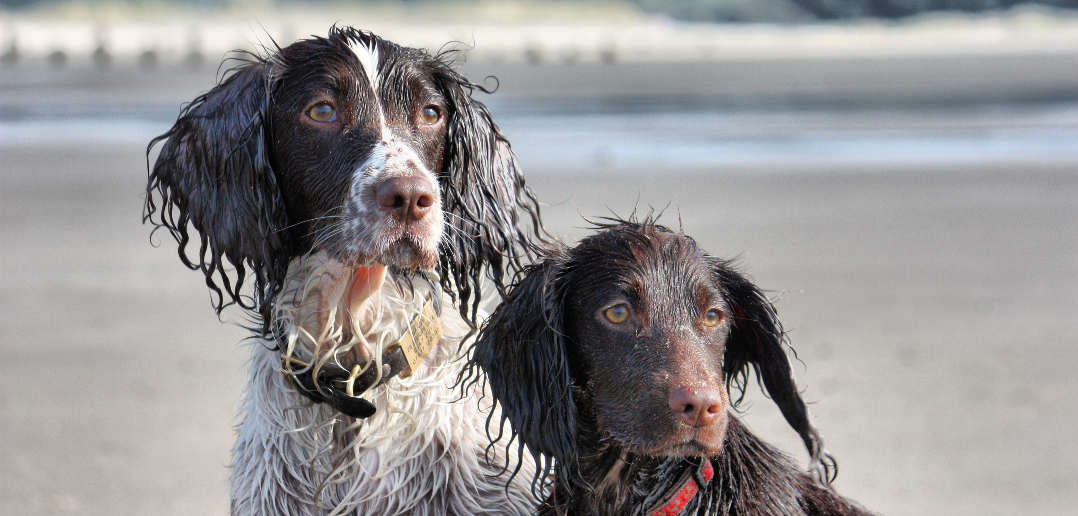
x=422 y=436
x=335 y=330
x=749 y=477
x=328 y=309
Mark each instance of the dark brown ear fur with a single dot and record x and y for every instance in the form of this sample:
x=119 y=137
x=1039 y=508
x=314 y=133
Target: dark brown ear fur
x=496 y=217
x=757 y=341
x=522 y=350
x=214 y=173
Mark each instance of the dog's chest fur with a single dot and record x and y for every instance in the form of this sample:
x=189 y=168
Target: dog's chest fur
x=422 y=453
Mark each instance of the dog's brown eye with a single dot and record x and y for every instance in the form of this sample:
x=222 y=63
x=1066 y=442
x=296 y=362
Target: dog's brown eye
x=322 y=112
x=431 y=114
x=712 y=317
x=616 y=314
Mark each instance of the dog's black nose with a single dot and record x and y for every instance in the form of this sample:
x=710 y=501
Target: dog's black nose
x=406 y=198
x=697 y=406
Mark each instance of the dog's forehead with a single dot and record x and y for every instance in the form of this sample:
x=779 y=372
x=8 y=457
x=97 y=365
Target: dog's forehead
x=645 y=262
x=347 y=60
x=645 y=249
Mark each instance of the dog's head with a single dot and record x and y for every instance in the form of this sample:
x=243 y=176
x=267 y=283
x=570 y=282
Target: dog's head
x=372 y=153
x=632 y=340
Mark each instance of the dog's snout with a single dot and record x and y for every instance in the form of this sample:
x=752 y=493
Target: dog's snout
x=697 y=406
x=406 y=198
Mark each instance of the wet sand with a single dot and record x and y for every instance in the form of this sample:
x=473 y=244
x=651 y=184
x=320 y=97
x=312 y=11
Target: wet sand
x=933 y=308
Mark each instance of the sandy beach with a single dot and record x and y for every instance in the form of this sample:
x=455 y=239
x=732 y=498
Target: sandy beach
x=931 y=301
x=933 y=310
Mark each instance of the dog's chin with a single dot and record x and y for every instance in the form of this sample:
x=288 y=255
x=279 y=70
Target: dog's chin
x=692 y=448
x=365 y=275
x=403 y=252
x=408 y=254
x=698 y=442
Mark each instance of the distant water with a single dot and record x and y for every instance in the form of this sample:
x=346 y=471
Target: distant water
x=699 y=135
x=666 y=133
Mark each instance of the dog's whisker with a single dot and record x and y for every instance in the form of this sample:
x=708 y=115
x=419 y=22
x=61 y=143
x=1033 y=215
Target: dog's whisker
x=313 y=219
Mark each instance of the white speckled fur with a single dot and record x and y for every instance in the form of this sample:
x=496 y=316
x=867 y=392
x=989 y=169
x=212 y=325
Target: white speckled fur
x=422 y=453
x=389 y=158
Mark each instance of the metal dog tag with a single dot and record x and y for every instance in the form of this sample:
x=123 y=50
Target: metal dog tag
x=424 y=332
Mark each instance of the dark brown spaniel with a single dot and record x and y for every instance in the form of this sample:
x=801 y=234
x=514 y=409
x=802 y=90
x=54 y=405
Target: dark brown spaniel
x=613 y=361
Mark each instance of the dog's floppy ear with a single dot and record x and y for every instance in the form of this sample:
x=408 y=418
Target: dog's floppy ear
x=756 y=340
x=495 y=218
x=522 y=350
x=213 y=172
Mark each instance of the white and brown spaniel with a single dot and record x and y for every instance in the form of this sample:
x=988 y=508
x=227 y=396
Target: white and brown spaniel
x=341 y=191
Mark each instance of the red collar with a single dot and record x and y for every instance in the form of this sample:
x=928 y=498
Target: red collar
x=690 y=483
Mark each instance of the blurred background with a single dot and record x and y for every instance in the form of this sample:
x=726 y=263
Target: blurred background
x=899 y=174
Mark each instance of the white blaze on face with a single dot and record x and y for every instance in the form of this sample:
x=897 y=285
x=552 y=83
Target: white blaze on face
x=367 y=173
x=390 y=154
x=389 y=157
x=367 y=54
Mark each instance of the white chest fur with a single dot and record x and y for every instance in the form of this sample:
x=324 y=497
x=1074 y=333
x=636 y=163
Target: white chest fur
x=424 y=452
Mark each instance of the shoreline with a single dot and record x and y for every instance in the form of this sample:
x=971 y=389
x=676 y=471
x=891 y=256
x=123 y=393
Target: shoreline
x=1035 y=77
